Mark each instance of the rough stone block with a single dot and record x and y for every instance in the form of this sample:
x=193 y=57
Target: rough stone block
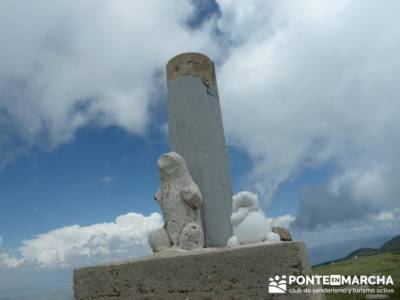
x=214 y=273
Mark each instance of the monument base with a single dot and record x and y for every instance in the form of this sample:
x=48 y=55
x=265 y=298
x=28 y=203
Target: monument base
x=214 y=273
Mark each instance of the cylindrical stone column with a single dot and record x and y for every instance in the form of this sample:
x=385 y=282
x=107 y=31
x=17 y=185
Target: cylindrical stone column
x=196 y=132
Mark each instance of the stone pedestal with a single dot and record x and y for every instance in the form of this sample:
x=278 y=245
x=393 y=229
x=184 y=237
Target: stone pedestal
x=214 y=273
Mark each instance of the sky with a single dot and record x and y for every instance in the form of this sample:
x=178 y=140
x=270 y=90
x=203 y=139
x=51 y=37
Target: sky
x=310 y=104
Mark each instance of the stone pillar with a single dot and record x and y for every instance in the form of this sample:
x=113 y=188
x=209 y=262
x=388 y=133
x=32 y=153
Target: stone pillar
x=196 y=132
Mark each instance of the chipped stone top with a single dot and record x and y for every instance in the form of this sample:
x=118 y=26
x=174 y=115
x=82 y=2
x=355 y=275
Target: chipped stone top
x=191 y=63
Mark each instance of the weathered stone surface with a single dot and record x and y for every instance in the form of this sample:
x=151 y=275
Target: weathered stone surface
x=196 y=132
x=283 y=233
x=191 y=63
x=159 y=240
x=249 y=222
x=227 y=273
x=180 y=200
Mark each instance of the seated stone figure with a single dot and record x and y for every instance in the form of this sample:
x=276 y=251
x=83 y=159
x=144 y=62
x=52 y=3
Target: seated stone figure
x=180 y=200
x=249 y=222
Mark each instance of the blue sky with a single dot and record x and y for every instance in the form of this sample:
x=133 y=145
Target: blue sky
x=73 y=179
x=100 y=174
x=309 y=98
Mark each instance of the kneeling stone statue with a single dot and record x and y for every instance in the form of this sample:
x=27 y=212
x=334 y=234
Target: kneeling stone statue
x=249 y=222
x=180 y=200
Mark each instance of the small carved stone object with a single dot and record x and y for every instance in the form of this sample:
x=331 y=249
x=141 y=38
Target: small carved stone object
x=249 y=222
x=180 y=200
x=283 y=233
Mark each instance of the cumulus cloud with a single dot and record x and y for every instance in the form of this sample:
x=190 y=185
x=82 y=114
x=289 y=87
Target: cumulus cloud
x=68 y=64
x=281 y=221
x=8 y=260
x=311 y=83
x=86 y=245
x=76 y=246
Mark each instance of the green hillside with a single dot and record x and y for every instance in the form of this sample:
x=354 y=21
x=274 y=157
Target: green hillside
x=366 y=261
x=363 y=252
x=391 y=246
x=379 y=264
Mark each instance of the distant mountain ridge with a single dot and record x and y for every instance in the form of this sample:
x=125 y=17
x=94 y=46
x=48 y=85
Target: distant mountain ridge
x=389 y=246
x=392 y=245
x=336 y=250
x=362 y=252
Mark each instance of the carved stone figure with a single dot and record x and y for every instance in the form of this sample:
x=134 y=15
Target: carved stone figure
x=249 y=222
x=180 y=200
x=284 y=233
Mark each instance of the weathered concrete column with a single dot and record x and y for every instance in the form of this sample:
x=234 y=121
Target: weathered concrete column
x=196 y=132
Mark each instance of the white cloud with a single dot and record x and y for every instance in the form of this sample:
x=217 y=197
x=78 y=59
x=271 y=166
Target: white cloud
x=65 y=65
x=281 y=221
x=75 y=246
x=386 y=217
x=87 y=245
x=313 y=83
x=8 y=261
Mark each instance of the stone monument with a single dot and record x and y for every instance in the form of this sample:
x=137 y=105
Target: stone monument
x=180 y=268
x=196 y=132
